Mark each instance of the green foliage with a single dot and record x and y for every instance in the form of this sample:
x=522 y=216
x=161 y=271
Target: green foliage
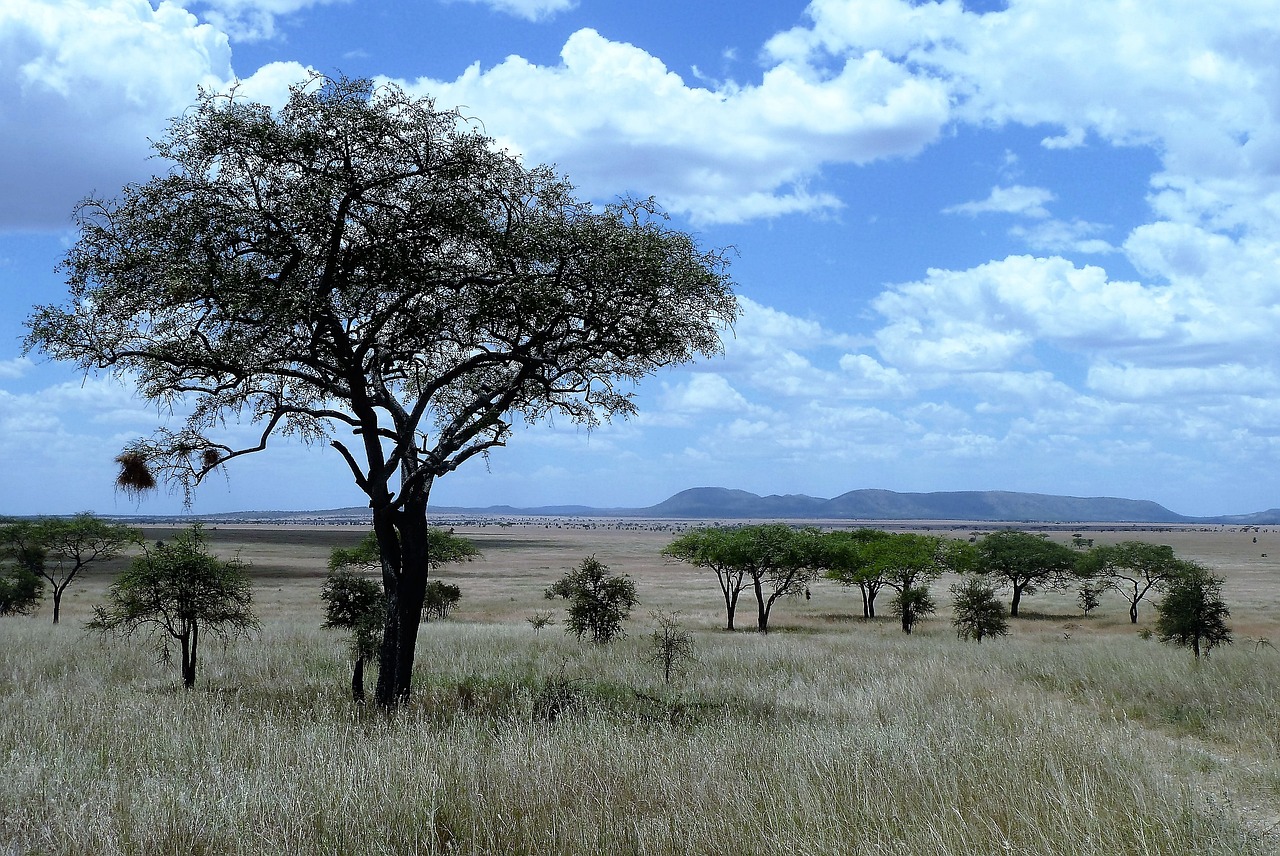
x=21 y=590
x=1024 y=562
x=173 y=592
x=443 y=547
x=912 y=604
x=977 y=612
x=1132 y=568
x=441 y=599
x=1192 y=613
x=541 y=619
x=773 y=559
x=598 y=602
x=356 y=603
x=1089 y=597
x=851 y=559
x=58 y=549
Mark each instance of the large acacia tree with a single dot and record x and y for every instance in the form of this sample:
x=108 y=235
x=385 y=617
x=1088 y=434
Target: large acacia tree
x=363 y=269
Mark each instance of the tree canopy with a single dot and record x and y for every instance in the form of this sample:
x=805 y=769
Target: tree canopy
x=1132 y=568
x=1025 y=562
x=363 y=269
x=1192 y=612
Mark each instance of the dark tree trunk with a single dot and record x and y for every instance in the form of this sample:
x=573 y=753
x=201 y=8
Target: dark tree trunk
x=189 y=643
x=866 y=604
x=762 y=608
x=1133 y=612
x=871 y=603
x=730 y=607
x=1017 y=598
x=403 y=541
x=57 y=603
x=357 y=681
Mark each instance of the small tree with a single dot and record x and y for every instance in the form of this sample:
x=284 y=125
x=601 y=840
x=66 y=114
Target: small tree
x=440 y=600
x=978 y=613
x=717 y=549
x=541 y=619
x=354 y=602
x=59 y=549
x=21 y=590
x=671 y=646
x=1192 y=613
x=174 y=591
x=598 y=602
x=1089 y=597
x=911 y=604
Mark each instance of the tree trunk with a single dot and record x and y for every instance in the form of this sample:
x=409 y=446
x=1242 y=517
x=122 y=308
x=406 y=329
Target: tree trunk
x=871 y=604
x=189 y=642
x=866 y=604
x=1017 y=597
x=57 y=603
x=1133 y=612
x=762 y=608
x=357 y=681
x=403 y=541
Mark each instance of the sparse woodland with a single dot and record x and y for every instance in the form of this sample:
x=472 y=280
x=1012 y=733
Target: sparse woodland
x=831 y=733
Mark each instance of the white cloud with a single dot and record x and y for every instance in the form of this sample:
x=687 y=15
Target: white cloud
x=617 y=120
x=252 y=20
x=704 y=393
x=15 y=368
x=529 y=10
x=83 y=91
x=1017 y=199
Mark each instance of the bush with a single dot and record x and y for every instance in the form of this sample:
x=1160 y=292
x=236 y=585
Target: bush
x=978 y=612
x=598 y=603
x=1192 y=613
x=440 y=599
x=21 y=590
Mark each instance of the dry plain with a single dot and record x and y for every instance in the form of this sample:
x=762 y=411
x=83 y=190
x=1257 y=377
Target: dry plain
x=831 y=735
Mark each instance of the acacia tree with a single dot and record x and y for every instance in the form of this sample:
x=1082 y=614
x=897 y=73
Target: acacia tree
x=849 y=558
x=1133 y=568
x=21 y=564
x=976 y=612
x=715 y=548
x=175 y=591
x=1192 y=612
x=59 y=549
x=1024 y=562
x=363 y=269
x=908 y=562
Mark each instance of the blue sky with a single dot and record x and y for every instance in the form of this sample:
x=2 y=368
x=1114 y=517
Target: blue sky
x=1028 y=246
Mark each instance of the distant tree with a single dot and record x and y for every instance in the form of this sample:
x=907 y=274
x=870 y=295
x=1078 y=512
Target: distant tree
x=772 y=559
x=176 y=590
x=60 y=549
x=670 y=645
x=598 y=602
x=1025 y=563
x=911 y=604
x=1192 y=613
x=355 y=603
x=908 y=562
x=541 y=619
x=850 y=558
x=1133 y=568
x=978 y=614
x=718 y=549
x=1089 y=597
x=440 y=600
x=362 y=269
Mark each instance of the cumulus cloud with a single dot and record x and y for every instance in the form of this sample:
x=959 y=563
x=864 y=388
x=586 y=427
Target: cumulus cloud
x=83 y=91
x=617 y=120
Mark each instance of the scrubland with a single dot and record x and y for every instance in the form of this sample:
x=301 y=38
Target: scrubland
x=829 y=735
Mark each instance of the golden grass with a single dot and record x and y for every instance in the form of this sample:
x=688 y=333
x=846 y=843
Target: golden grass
x=830 y=735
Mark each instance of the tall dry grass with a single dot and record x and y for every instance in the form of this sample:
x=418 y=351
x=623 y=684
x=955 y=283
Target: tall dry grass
x=847 y=739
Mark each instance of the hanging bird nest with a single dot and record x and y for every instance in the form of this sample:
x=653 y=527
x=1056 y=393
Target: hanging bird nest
x=135 y=477
x=210 y=458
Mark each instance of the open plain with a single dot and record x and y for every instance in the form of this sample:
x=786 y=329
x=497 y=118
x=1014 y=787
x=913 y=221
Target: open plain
x=829 y=735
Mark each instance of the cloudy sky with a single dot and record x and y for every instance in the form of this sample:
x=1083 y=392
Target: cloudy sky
x=1029 y=246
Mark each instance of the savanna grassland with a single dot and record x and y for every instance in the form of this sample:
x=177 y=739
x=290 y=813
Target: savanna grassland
x=829 y=735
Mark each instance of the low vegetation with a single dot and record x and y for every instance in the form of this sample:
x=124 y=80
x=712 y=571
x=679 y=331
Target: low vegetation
x=830 y=734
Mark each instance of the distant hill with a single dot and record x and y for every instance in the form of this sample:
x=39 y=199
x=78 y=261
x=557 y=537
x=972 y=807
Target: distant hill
x=722 y=503
x=889 y=505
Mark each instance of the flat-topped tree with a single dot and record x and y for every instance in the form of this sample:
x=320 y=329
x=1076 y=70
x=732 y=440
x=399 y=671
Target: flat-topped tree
x=362 y=269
